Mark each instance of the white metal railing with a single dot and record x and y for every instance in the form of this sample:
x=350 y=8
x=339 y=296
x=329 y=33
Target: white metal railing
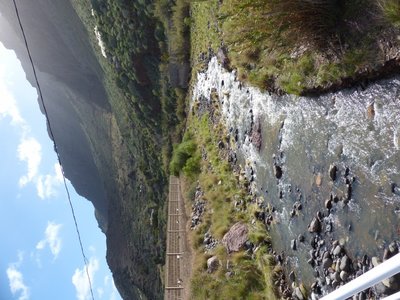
x=386 y=269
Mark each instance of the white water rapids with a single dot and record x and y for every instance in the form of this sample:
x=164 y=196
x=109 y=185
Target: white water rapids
x=353 y=128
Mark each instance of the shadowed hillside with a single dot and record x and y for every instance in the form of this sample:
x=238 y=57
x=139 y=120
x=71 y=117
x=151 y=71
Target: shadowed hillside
x=107 y=152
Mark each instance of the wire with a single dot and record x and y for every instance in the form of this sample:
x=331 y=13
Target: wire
x=85 y=260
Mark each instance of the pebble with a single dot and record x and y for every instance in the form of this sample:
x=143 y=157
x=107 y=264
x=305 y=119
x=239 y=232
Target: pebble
x=277 y=171
x=375 y=261
x=344 y=276
x=332 y=172
x=301 y=238
x=292 y=276
x=315 y=225
x=337 y=250
x=298 y=294
x=344 y=263
x=328 y=204
x=326 y=263
x=293 y=245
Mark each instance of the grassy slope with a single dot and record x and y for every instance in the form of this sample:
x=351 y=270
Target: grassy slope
x=295 y=67
x=134 y=241
x=313 y=46
x=252 y=274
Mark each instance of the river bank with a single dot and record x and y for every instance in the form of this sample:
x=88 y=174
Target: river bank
x=292 y=167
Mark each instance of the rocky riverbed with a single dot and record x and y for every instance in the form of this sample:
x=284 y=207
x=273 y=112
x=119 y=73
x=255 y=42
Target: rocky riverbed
x=324 y=171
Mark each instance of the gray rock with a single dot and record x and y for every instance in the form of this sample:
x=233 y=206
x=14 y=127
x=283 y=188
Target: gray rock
x=222 y=57
x=314 y=296
x=375 y=261
x=292 y=276
x=293 y=244
x=277 y=171
x=380 y=288
x=393 y=248
x=344 y=263
x=326 y=255
x=344 y=276
x=386 y=254
x=332 y=172
x=328 y=204
x=326 y=263
x=235 y=238
x=337 y=250
x=298 y=294
x=391 y=283
x=301 y=238
x=315 y=225
x=337 y=276
x=212 y=264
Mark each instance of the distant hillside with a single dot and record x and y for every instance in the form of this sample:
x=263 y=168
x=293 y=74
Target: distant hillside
x=110 y=145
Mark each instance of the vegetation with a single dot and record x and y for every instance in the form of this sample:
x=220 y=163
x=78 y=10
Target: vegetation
x=296 y=46
x=185 y=157
x=251 y=275
x=281 y=45
x=391 y=11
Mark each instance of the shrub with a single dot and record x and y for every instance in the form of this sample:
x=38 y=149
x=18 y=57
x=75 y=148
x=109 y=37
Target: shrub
x=185 y=158
x=391 y=11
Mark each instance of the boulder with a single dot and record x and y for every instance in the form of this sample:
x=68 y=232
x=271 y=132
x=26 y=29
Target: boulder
x=337 y=250
x=212 y=264
x=344 y=276
x=327 y=263
x=235 y=238
x=345 y=263
x=315 y=225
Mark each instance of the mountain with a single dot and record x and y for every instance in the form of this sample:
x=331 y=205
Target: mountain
x=96 y=148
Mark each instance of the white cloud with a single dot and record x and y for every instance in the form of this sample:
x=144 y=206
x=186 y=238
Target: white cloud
x=51 y=239
x=16 y=281
x=100 y=292
x=9 y=108
x=109 y=285
x=114 y=293
x=30 y=151
x=46 y=185
x=80 y=279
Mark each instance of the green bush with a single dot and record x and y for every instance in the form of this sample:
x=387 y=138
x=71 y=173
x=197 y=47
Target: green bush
x=185 y=158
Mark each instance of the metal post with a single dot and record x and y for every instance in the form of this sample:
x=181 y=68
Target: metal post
x=386 y=269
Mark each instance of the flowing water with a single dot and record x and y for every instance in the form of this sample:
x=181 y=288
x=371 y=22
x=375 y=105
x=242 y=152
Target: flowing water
x=356 y=130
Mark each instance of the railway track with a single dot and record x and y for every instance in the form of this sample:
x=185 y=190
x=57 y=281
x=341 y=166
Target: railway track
x=175 y=243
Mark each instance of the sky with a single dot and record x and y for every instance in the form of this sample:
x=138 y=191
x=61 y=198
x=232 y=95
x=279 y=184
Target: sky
x=40 y=257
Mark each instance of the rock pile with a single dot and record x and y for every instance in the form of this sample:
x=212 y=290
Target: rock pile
x=209 y=242
x=198 y=208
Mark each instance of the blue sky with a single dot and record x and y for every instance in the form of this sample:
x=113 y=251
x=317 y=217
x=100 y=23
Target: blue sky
x=40 y=255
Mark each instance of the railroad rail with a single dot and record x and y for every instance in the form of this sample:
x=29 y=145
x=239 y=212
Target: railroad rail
x=175 y=243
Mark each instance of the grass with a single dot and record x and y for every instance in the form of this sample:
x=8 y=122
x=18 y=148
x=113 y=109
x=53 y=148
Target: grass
x=205 y=33
x=391 y=11
x=251 y=275
x=297 y=46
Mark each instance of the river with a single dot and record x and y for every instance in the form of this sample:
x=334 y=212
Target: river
x=356 y=130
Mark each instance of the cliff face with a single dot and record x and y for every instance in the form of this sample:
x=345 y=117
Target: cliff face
x=95 y=157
